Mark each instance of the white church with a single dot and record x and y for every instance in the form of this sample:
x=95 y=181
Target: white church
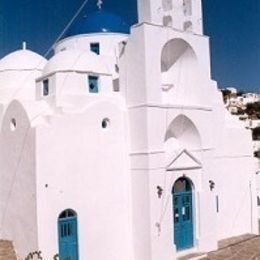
x=119 y=147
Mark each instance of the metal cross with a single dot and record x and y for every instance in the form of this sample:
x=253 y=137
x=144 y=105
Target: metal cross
x=99 y=4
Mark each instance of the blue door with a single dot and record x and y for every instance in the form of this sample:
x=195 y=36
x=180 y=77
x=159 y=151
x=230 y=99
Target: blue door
x=68 y=237
x=182 y=214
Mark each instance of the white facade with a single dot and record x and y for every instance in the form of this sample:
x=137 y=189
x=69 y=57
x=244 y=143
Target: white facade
x=114 y=152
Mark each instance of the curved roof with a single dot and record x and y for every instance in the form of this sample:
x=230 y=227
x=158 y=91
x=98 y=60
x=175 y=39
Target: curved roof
x=98 y=21
x=22 y=60
x=76 y=60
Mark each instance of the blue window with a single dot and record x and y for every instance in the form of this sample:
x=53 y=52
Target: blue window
x=93 y=84
x=95 y=47
x=46 y=87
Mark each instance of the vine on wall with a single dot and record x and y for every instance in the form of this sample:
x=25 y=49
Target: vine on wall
x=36 y=255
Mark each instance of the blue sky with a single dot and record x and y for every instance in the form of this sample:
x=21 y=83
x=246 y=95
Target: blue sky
x=234 y=29
x=233 y=25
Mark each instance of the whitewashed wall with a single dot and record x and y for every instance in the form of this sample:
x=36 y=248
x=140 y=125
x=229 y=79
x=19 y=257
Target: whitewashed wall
x=84 y=167
x=18 y=186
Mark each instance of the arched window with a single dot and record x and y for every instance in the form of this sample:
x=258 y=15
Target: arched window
x=181 y=185
x=67 y=213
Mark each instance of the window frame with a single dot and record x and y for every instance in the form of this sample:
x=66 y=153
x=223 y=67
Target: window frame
x=95 y=80
x=95 y=47
x=45 y=87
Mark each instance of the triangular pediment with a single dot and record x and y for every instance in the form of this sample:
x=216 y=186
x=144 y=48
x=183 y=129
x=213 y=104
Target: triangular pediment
x=184 y=160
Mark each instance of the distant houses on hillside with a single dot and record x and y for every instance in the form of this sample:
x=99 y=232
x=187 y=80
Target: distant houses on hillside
x=246 y=106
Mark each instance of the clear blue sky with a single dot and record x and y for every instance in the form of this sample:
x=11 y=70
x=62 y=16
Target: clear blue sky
x=233 y=25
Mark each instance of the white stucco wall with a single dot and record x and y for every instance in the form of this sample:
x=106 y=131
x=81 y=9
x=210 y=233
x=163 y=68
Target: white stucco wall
x=167 y=121
x=109 y=46
x=257 y=170
x=18 y=186
x=86 y=170
x=222 y=154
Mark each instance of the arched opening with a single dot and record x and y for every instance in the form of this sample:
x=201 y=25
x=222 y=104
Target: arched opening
x=173 y=51
x=179 y=66
x=68 y=235
x=185 y=131
x=181 y=134
x=183 y=213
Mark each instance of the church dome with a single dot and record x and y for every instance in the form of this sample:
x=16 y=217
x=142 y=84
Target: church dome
x=98 y=22
x=22 y=60
x=76 y=60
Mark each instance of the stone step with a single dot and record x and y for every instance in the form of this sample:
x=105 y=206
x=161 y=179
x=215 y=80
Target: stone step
x=7 y=250
x=245 y=247
x=193 y=256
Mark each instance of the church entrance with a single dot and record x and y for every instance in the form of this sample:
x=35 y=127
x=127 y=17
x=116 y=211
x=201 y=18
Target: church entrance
x=182 y=214
x=68 y=237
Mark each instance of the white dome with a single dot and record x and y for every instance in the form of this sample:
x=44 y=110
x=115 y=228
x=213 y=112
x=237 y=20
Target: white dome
x=22 y=60
x=75 y=60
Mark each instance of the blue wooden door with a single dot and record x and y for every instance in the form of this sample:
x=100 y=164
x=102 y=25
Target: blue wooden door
x=182 y=215
x=68 y=237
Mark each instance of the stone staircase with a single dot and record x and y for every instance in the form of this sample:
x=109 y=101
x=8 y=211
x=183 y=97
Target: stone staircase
x=7 y=250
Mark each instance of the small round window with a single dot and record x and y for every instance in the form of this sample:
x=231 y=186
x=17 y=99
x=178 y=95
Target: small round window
x=13 y=124
x=105 y=123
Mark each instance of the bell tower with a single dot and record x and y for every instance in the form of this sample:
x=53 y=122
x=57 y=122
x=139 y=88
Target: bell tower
x=185 y=15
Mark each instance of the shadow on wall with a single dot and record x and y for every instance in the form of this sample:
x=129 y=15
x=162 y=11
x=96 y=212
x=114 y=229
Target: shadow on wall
x=181 y=134
x=182 y=78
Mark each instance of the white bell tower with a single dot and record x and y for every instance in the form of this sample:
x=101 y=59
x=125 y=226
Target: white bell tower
x=185 y=15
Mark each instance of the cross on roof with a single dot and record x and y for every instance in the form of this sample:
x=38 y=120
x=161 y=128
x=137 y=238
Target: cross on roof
x=99 y=4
